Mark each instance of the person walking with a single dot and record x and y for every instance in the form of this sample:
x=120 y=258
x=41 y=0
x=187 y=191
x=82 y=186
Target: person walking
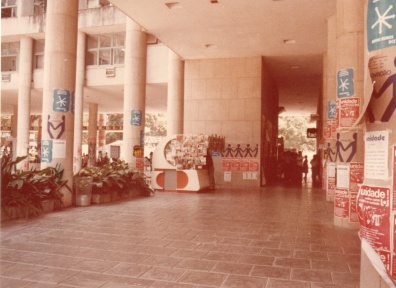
x=210 y=168
x=315 y=168
x=305 y=168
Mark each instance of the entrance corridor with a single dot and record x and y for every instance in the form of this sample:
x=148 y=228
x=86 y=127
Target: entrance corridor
x=255 y=237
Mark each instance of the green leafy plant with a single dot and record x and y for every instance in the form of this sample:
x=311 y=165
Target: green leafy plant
x=25 y=190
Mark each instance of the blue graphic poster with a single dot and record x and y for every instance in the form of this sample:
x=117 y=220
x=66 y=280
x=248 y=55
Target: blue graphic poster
x=345 y=83
x=136 y=118
x=381 y=24
x=46 y=151
x=61 y=100
x=331 y=109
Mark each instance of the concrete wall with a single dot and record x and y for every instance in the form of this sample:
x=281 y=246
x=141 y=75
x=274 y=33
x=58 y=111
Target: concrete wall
x=223 y=97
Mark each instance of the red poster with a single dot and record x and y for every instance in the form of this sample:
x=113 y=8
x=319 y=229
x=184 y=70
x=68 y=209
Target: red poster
x=226 y=164
x=394 y=178
x=140 y=164
x=341 y=203
x=235 y=164
x=353 y=216
x=254 y=165
x=327 y=131
x=349 y=111
x=374 y=211
x=356 y=176
x=244 y=165
x=334 y=129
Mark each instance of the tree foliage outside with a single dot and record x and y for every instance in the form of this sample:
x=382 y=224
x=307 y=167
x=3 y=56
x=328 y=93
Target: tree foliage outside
x=293 y=129
x=155 y=124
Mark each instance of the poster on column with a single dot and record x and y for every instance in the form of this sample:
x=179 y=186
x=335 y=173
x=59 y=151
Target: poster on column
x=374 y=211
x=345 y=83
x=349 y=111
x=394 y=178
x=376 y=155
x=59 y=149
x=342 y=176
x=46 y=151
x=61 y=100
x=331 y=178
x=356 y=176
x=353 y=215
x=381 y=42
x=331 y=109
x=341 y=203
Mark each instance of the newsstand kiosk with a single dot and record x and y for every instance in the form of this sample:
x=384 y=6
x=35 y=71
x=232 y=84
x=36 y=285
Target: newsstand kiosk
x=179 y=164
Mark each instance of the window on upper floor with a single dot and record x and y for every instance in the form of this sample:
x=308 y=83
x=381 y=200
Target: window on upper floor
x=105 y=49
x=40 y=7
x=8 y=8
x=39 y=54
x=9 y=56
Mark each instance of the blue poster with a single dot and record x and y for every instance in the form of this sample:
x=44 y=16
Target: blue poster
x=331 y=109
x=61 y=100
x=381 y=24
x=46 y=151
x=136 y=118
x=345 y=83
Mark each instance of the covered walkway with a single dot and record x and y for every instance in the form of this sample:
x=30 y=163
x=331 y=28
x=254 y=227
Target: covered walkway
x=267 y=237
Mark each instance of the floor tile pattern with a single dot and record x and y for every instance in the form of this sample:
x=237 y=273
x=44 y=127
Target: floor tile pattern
x=269 y=237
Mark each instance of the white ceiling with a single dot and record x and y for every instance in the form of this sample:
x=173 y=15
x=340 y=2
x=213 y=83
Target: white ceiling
x=198 y=29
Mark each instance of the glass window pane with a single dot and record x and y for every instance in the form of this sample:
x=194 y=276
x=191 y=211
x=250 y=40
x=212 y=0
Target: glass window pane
x=39 y=46
x=14 y=48
x=8 y=63
x=91 y=58
x=39 y=61
x=92 y=41
x=5 y=48
x=119 y=55
x=12 y=2
x=105 y=41
x=104 y=56
x=119 y=40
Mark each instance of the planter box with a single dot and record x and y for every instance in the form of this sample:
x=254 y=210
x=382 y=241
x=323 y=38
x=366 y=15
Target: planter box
x=48 y=205
x=114 y=196
x=101 y=198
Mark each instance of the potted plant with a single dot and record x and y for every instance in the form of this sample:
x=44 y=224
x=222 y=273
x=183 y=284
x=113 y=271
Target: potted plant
x=139 y=182
x=29 y=193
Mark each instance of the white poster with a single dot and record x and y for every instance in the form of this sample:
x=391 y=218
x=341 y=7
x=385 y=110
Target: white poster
x=342 y=176
x=376 y=155
x=59 y=149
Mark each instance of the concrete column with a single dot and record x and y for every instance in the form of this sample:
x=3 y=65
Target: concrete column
x=102 y=132
x=175 y=105
x=14 y=122
x=58 y=89
x=329 y=102
x=92 y=133
x=350 y=85
x=24 y=86
x=78 y=102
x=14 y=129
x=134 y=90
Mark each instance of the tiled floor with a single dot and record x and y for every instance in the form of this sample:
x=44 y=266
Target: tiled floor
x=267 y=237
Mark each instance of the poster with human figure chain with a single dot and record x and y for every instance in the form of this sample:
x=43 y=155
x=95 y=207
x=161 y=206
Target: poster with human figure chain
x=376 y=205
